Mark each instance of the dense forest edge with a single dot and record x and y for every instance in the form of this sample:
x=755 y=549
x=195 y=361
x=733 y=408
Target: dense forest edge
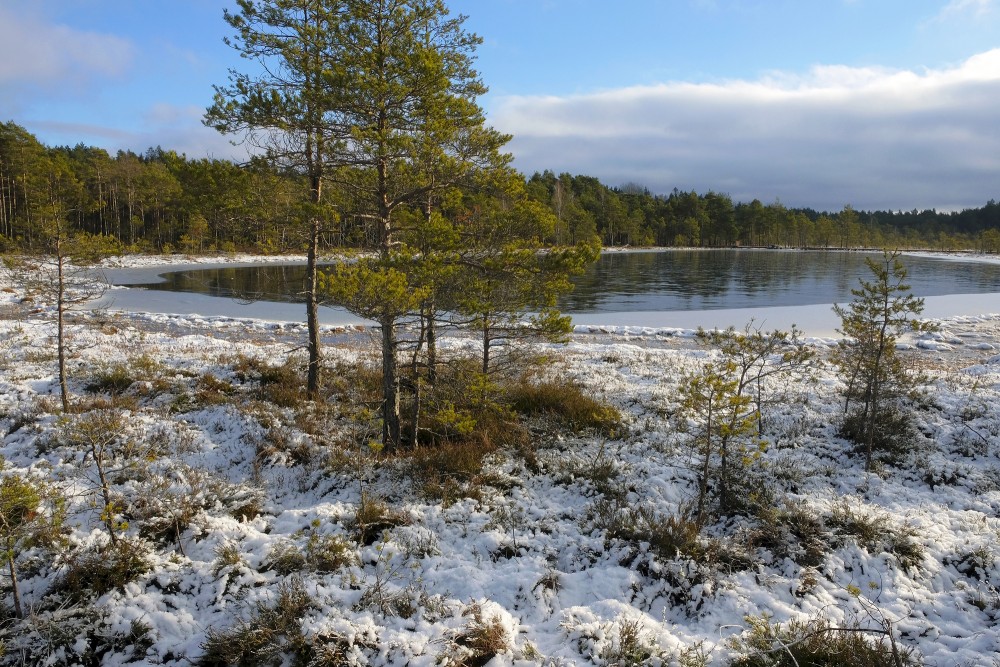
x=165 y=202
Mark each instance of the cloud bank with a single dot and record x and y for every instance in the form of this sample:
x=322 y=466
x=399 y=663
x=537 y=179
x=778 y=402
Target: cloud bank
x=871 y=137
x=39 y=55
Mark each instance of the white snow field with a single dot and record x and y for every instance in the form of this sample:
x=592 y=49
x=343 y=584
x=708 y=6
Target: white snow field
x=233 y=502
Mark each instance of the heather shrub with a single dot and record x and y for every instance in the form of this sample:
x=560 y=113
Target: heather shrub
x=816 y=643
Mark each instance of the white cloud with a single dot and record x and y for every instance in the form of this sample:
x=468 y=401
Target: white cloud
x=875 y=138
x=35 y=53
x=964 y=7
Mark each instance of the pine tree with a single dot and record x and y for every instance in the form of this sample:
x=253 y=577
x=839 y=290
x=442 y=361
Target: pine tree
x=407 y=101
x=877 y=379
x=287 y=109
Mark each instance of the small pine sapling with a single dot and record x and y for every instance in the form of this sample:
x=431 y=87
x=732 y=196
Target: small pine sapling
x=877 y=379
x=31 y=515
x=724 y=424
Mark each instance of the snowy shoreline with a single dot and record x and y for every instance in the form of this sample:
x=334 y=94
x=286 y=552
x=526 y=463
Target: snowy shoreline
x=525 y=552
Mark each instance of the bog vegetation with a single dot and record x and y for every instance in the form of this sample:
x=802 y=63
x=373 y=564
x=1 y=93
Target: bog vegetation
x=151 y=480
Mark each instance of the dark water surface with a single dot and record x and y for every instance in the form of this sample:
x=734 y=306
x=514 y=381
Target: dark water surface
x=672 y=280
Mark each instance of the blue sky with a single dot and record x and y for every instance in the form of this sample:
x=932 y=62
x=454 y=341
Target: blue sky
x=821 y=103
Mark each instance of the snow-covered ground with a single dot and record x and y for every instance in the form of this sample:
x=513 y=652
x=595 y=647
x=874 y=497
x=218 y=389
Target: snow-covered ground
x=531 y=556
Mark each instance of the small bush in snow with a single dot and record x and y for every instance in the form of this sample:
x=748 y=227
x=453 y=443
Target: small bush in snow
x=114 y=380
x=449 y=472
x=268 y=632
x=31 y=515
x=373 y=516
x=874 y=532
x=624 y=642
x=668 y=535
x=74 y=635
x=320 y=553
x=567 y=403
x=816 y=643
x=227 y=556
x=792 y=530
x=482 y=639
x=93 y=572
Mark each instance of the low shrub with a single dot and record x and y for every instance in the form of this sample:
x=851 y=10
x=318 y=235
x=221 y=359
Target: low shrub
x=169 y=502
x=114 y=380
x=268 y=632
x=479 y=642
x=867 y=527
x=210 y=390
x=874 y=532
x=321 y=553
x=668 y=535
x=373 y=517
x=93 y=572
x=565 y=402
x=792 y=530
x=285 y=558
x=816 y=643
x=623 y=642
x=75 y=635
x=448 y=471
x=893 y=433
x=281 y=385
x=603 y=471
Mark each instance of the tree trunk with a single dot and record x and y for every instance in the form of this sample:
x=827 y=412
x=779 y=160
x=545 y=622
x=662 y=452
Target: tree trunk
x=431 y=345
x=109 y=517
x=706 y=465
x=312 y=311
x=18 y=609
x=486 y=346
x=60 y=326
x=390 y=386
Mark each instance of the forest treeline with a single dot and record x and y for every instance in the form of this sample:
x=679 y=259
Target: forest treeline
x=162 y=201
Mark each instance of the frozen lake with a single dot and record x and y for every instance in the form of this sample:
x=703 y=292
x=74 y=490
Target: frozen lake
x=671 y=288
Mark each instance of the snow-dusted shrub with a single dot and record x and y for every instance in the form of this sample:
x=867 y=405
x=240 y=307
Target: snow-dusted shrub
x=285 y=558
x=484 y=637
x=449 y=472
x=792 y=530
x=817 y=643
x=567 y=404
x=374 y=516
x=115 y=379
x=320 y=553
x=668 y=535
x=281 y=385
x=70 y=636
x=31 y=516
x=94 y=571
x=267 y=632
x=873 y=530
x=976 y=563
x=329 y=553
x=603 y=471
x=228 y=557
x=623 y=642
x=166 y=503
x=210 y=390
